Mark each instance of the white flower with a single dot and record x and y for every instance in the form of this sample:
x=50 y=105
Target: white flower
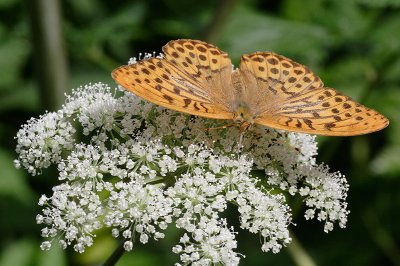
x=73 y=213
x=138 y=208
x=212 y=243
x=41 y=141
x=140 y=168
x=128 y=245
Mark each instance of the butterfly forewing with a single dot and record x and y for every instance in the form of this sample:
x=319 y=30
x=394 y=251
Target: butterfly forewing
x=207 y=64
x=197 y=58
x=301 y=103
x=174 y=84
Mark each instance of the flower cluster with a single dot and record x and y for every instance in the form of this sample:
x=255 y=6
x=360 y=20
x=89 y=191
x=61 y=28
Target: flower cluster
x=41 y=141
x=138 y=168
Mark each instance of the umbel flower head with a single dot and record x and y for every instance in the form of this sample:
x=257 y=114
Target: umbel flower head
x=138 y=168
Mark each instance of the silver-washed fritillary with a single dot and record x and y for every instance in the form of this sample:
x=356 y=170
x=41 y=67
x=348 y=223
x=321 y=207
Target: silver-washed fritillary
x=197 y=78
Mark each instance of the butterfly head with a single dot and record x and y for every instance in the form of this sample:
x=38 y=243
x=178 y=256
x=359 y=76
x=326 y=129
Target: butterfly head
x=243 y=116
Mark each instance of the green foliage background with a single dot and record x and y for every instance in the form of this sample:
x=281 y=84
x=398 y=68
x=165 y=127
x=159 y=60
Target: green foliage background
x=354 y=45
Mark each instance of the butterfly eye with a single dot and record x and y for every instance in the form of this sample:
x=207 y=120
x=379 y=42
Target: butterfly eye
x=238 y=118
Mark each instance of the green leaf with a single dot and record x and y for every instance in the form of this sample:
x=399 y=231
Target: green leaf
x=171 y=26
x=387 y=101
x=379 y=3
x=349 y=75
x=113 y=32
x=140 y=258
x=260 y=32
x=98 y=253
x=4 y=4
x=12 y=183
x=348 y=21
x=19 y=253
x=88 y=8
x=392 y=73
x=24 y=97
x=386 y=45
x=291 y=9
x=387 y=163
x=55 y=256
x=13 y=54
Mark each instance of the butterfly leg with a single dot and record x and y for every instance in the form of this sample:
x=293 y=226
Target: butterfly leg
x=221 y=127
x=243 y=128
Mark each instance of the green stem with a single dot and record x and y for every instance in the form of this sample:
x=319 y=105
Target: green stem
x=383 y=239
x=116 y=255
x=51 y=63
x=298 y=253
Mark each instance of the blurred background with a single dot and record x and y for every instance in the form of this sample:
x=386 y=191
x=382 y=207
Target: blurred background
x=48 y=47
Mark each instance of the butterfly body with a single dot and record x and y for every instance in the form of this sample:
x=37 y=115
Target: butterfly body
x=197 y=78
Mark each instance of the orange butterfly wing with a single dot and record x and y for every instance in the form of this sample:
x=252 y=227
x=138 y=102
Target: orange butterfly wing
x=193 y=77
x=291 y=97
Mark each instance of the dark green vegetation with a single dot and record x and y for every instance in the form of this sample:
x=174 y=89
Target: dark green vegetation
x=354 y=46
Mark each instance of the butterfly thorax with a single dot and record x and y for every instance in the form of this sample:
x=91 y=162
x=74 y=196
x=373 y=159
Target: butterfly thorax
x=242 y=112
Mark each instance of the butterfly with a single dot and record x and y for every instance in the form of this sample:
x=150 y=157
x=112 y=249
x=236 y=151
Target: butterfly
x=198 y=78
